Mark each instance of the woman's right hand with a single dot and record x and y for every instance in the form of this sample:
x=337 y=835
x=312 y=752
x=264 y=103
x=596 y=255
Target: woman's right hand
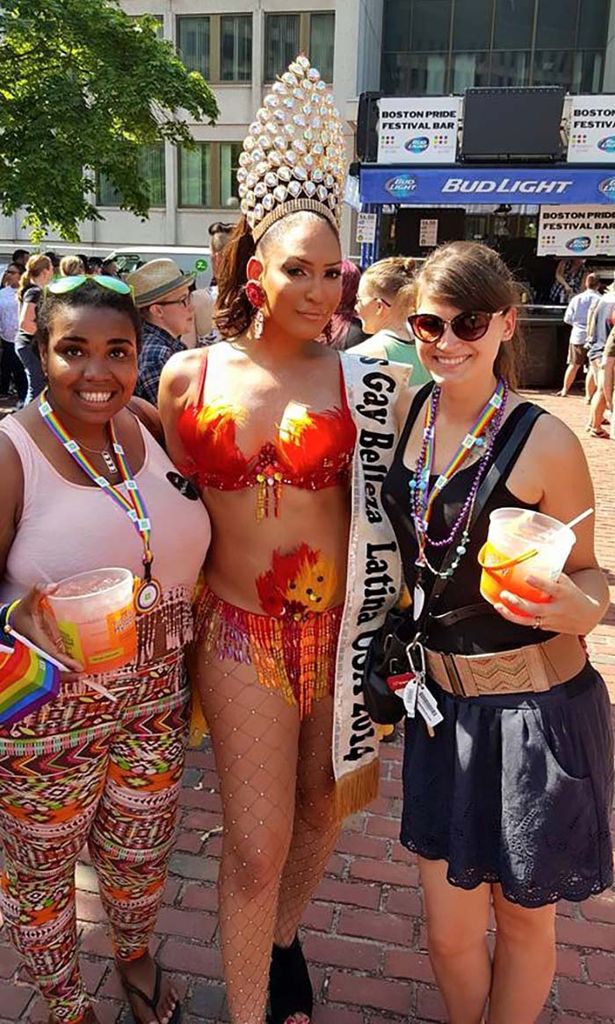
x=32 y=619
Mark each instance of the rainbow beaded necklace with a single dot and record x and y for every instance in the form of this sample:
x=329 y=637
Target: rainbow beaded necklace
x=423 y=497
x=148 y=593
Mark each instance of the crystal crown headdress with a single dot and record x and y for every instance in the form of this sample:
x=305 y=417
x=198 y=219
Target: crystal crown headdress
x=294 y=157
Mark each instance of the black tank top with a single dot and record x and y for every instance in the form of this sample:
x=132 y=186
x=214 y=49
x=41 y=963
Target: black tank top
x=482 y=633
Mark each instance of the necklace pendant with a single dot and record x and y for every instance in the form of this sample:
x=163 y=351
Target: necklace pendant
x=418 y=601
x=109 y=461
x=147 y=595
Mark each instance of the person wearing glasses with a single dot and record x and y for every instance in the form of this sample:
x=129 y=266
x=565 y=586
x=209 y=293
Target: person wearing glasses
x=101 y=761
x=384 y=299
x=508 y=762
x=162 y=295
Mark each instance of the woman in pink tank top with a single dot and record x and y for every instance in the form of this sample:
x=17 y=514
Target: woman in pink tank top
x=102 y=761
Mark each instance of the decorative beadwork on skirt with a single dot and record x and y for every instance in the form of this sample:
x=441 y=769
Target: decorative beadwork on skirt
x=294 y=656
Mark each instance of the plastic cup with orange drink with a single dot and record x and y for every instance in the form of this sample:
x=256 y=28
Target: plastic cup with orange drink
x=95 y=614
x=522 y=543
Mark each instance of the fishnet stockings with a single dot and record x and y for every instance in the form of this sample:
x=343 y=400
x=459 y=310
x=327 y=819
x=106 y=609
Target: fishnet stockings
x=276 y=787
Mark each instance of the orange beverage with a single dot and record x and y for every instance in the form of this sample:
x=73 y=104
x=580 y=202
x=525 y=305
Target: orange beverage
x=96 y=618
x=522 y=543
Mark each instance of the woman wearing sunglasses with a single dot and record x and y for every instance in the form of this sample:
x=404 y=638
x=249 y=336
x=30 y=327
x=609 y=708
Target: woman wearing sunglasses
x=385 y=297
x=101 y=762
x=508 y=773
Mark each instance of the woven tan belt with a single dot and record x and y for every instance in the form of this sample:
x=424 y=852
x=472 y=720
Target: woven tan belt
x=534 y=668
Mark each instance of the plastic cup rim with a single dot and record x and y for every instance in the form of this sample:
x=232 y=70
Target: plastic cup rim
x=89 y=572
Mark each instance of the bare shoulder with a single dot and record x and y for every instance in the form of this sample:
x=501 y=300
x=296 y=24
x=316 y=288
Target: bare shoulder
x=405 y=399
x=369 y=348
x=554 y=443
x=180 y=372
x=148 y=415
x=11 y=472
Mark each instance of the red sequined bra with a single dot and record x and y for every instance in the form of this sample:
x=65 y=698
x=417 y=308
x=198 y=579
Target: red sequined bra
x=312 y=451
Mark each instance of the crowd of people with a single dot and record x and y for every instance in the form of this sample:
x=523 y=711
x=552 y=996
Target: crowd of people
x=290 y=496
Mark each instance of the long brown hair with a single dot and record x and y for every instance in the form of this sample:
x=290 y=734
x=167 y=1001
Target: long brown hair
x=34 y=266
x=471 y=276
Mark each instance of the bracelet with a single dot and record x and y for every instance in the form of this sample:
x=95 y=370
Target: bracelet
x=6 y=633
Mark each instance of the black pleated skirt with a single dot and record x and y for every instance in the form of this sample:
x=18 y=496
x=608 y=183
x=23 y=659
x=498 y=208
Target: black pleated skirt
x=516 y=789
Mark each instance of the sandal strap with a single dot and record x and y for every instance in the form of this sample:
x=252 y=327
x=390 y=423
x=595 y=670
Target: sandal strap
x=150 y=1001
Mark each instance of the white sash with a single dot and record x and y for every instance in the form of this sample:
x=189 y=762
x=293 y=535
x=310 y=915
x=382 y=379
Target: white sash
x=374 y=571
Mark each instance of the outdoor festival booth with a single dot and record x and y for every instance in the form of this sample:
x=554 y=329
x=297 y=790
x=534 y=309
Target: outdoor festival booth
x=529 y=171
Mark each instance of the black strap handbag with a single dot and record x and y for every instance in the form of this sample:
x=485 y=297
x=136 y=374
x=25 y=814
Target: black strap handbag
x=387 y=654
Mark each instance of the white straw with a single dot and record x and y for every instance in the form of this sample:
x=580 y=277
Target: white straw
x=579 y=519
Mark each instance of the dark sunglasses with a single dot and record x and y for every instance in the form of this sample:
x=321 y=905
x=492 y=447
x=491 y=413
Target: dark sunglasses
x=472 y=326
x=69 y=284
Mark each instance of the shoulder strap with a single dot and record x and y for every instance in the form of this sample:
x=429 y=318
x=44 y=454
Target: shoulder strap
x=497 y=470
x=415 y=408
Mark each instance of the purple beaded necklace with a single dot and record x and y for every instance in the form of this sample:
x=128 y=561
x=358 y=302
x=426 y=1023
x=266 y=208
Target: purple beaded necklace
x=422 y=496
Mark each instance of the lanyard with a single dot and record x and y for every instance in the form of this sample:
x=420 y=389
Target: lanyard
x=132 y=505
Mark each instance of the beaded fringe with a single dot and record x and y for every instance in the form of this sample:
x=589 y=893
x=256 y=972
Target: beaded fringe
x=297 y=658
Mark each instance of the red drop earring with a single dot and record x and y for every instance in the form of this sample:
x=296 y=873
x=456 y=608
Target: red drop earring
x=256 y=297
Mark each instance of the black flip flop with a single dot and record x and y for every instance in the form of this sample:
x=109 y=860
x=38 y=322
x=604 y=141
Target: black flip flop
x=151 y=1002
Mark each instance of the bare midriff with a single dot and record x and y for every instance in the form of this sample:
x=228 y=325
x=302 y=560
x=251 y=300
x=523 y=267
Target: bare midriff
x=296 y=559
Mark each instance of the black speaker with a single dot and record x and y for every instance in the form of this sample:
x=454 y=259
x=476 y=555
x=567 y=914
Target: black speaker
x=367 y=127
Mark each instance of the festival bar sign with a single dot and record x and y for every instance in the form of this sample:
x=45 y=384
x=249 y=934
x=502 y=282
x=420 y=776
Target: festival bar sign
x=418 y=130
x=592 y=130
x=576 y=231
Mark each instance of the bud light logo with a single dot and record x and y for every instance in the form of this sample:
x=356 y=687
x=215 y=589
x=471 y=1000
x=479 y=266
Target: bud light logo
x=579 y=244
x=418 y=144
x=403 y=185
x=607 y=187
x=607 y=145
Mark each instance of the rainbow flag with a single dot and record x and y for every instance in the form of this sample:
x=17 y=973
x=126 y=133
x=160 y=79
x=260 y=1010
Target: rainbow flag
x=27 y=681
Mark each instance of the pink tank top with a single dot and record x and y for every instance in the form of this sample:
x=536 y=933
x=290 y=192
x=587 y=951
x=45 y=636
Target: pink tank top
x=66 y=528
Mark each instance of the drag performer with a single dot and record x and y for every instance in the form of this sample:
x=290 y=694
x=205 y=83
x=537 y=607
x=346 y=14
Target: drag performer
x=94 y=759
x=276 y=428
x=508 y=765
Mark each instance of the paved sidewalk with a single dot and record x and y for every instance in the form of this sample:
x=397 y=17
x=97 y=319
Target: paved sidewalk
x=364 y=933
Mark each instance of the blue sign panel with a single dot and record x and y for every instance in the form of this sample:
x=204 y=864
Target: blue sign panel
x=463 y=186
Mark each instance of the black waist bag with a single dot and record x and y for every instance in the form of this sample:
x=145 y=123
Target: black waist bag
x=386 y=654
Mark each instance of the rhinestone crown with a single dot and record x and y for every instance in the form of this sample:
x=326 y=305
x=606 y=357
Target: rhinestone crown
x=294 y=156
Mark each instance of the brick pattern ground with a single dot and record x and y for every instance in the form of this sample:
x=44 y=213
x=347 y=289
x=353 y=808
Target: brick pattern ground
x=364 y=933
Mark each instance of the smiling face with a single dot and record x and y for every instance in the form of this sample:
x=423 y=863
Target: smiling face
x=299 y=269
x=453 y=360
x=90 y=362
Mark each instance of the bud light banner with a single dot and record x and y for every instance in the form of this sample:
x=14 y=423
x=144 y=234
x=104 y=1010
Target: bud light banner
x=591 y=135
x=420 y=130
x=463 y=186
x=576 y=231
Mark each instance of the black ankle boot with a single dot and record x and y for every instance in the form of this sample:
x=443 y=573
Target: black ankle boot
x=290 y=988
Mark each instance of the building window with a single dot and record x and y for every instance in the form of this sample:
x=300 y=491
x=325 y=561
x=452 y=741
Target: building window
x=492 y=42
x=217 y=45
x=193 y=39
x=208 y=175
x=151 y=166
x=286 y=35
x=229 y=163
x=195 y=177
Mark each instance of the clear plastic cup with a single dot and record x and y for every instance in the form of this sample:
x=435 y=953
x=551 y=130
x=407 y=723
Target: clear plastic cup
x=95 y=614
x=522 y=543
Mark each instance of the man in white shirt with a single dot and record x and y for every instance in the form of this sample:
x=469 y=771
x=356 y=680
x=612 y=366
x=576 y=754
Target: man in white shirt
x=11 y=369
x=576 y=315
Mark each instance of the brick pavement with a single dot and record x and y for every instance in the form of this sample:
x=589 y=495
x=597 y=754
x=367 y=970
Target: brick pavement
x=363 y=932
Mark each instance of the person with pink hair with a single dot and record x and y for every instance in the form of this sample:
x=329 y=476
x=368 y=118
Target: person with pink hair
x=344 y=329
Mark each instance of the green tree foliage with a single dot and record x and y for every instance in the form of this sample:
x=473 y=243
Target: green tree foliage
x=83 y=87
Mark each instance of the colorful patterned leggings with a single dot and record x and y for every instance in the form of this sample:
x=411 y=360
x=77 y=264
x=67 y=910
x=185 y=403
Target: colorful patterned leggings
x=85 y=769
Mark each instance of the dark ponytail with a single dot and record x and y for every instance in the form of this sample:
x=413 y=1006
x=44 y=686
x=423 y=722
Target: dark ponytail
x=234 y=313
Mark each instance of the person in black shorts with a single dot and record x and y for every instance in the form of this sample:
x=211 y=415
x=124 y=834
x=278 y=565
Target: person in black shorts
x=508 y=762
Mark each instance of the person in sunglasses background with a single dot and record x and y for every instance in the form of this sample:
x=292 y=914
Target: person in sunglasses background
x=385 y=298
x=508 y=782
x=162 y=295
x=38 y=273
x=101 y=763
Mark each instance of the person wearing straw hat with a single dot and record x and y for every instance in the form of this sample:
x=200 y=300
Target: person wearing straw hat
x=275 y=428
x=162 y=296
